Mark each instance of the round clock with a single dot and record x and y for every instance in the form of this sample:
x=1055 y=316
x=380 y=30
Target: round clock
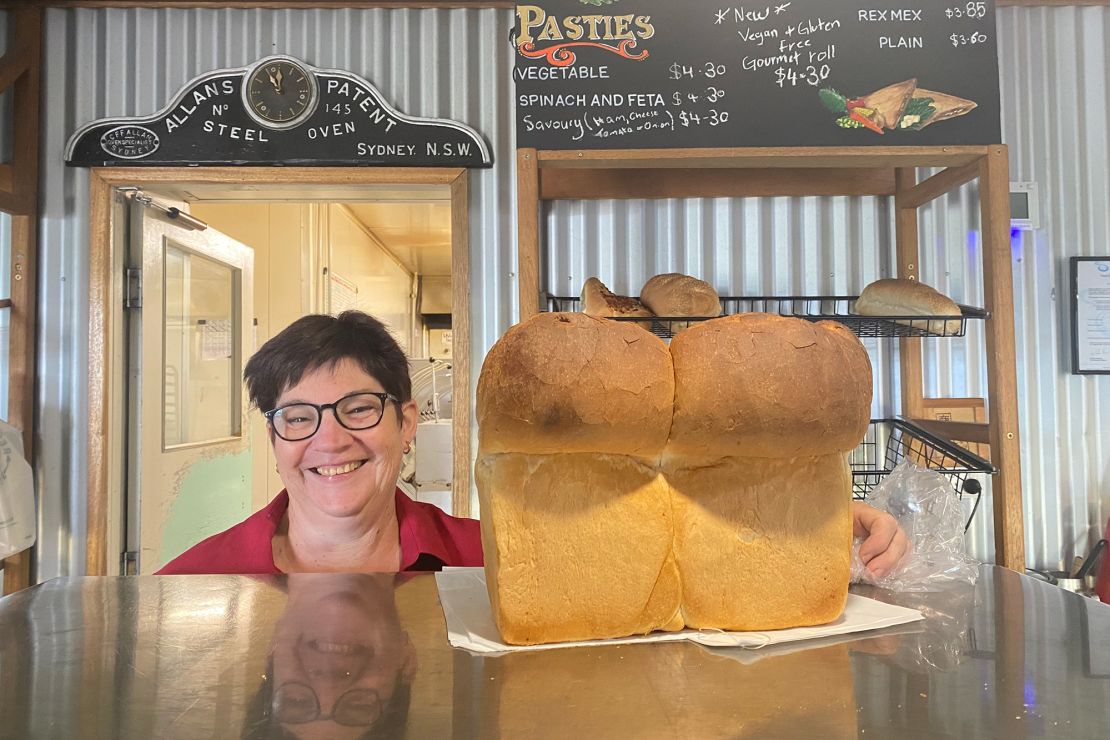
x=279 y=93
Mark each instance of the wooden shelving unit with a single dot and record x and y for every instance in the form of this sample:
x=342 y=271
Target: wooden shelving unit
x=892 y=171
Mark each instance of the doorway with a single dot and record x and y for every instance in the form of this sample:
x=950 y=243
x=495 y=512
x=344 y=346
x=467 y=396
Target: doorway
x=315 y=233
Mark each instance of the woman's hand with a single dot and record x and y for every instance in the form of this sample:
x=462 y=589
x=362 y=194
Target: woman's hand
x=884 y=541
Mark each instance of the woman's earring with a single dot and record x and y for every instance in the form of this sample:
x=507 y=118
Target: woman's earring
x=408 y=447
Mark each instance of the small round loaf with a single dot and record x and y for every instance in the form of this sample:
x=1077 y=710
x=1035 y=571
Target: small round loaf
x=758 y=385
x=673 y=294
x=567 y=382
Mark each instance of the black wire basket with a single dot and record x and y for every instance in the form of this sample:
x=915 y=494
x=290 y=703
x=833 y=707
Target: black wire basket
x=890 y=441
x=811 y=308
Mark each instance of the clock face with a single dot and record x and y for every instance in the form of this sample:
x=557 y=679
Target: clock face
x=280 y=93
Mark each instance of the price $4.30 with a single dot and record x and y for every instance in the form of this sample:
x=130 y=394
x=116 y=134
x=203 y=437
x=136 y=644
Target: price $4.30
x=809 y=75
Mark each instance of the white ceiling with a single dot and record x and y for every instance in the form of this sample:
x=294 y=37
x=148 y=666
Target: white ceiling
x=418 y=234
x=413 y=222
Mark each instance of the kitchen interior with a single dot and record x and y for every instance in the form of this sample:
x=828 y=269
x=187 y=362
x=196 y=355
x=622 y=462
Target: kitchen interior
x=389 y=255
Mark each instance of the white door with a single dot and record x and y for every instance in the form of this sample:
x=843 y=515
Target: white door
x=189 y=466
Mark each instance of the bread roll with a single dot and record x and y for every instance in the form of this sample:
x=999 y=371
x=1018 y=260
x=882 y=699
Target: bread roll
x=758 y=385
x=673 y=294
x=762 y=543
x=577 y=547
x=567 y=382
x=597 y=300
x=900 y=297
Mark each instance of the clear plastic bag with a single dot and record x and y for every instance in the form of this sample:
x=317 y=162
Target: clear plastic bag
x=17 y=495
x=928 y=509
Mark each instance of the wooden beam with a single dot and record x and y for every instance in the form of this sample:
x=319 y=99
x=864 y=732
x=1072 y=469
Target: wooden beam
x=460 y=344
x=909 y=348
x=959 y=431
x=712 y=183
x=21 y=342
x=528 y=232
x=14 y=203
x=1049 y=3
x=13 y=65
x=25 y=28
x=26 y=135
x=101 y=313
x=285 y=4
x=275 y=4
x=264 y=176
x=994 y=203
x=17 y=572
x=837 y=157
x=939 y=184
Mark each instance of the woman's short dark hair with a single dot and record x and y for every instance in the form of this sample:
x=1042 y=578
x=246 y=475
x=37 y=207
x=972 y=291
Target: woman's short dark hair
x=317 y=341
x=259 y=721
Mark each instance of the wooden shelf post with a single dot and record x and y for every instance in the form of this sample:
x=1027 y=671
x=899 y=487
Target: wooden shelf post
x=909 y=267
x=1002 y=415
x=528 y=231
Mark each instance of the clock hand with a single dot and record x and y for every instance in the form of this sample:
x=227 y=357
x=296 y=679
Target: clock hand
x=274 y=81
x=280 y=76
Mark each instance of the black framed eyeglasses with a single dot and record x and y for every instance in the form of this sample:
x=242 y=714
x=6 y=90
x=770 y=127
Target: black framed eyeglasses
x=298 y=421
x=296 y=703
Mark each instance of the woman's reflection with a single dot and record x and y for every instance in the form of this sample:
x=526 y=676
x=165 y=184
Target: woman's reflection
x=340 y=665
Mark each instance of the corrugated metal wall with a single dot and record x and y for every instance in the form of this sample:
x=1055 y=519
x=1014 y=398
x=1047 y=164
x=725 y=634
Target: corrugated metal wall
x=455 y=63
x=1055 y=114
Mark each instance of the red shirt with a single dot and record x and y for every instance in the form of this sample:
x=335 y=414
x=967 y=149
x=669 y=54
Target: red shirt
x=430 y=539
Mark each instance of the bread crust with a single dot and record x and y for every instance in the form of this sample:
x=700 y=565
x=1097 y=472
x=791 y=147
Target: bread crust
x=901 y=297
x=567 y=382
x=758 y=385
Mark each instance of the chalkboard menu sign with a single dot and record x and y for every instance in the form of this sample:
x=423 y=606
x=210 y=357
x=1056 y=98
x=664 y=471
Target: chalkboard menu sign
x=616 y=74
x=278 y=111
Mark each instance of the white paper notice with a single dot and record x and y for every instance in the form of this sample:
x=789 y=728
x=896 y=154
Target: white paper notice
x=462 y=592
x=1092 y=315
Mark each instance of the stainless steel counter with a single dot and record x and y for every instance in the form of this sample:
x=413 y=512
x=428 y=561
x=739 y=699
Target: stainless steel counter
x=367 y=656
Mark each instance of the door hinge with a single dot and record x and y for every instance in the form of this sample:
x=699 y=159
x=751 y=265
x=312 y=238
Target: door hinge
x=129 y=563
x=133 y=287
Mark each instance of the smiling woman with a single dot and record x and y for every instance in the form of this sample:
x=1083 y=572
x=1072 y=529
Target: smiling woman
x=338 y=402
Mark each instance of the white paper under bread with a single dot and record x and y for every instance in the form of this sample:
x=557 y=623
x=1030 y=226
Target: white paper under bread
x=465 y=601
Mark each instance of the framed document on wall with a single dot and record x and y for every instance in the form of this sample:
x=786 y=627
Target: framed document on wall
x=1090 y=315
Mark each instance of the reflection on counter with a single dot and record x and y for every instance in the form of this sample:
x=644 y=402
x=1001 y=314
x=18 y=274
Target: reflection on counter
x=340 y=665
x=337 y=655
x=633 y=691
